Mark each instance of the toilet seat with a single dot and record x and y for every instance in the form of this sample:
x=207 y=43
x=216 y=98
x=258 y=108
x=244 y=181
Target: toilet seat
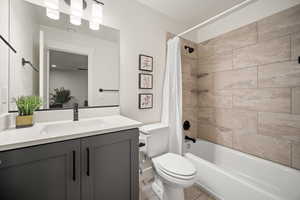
x=175 y=166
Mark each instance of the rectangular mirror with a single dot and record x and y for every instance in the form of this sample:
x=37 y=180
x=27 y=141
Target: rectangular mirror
x=61 y=62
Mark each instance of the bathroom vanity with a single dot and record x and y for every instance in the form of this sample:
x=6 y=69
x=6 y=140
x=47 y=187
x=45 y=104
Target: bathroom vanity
x=91 y=159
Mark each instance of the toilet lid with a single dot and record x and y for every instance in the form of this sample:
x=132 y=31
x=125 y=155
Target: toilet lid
x=175 y=164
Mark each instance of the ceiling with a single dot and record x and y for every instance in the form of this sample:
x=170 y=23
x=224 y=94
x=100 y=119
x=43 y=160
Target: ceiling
x=67 y=61
x=190 y=12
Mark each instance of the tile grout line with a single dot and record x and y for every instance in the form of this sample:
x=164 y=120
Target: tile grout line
x=257 y=39
x=291 y=154
x=257 y=76
x=291 y=99
x=250 y=66
x=257 y=32
x=291 y=48
x=257 y=125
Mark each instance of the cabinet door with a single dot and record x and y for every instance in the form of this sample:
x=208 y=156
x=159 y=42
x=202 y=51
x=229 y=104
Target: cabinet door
x=45 y=172
x=110 y=166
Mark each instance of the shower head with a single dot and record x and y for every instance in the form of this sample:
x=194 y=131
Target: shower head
x=190 y=49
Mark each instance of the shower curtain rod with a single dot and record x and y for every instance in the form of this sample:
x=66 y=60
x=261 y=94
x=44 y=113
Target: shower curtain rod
x=244 y=3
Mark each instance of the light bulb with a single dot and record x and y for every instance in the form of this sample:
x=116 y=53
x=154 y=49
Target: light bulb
x=75 y=20
x=76 y=7
x=52 y=14
x=94 y=26
x=97 y=13
x=53 y=4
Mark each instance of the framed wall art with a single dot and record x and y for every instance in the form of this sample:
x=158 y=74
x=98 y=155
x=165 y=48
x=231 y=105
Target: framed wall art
x=145 y=101
x=145 y=63
x=145 y=81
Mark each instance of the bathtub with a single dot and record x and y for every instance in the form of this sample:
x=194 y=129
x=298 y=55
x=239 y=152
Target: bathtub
x=232 y=175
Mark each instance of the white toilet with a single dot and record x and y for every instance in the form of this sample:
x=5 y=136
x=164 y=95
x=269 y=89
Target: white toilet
x=173 y=172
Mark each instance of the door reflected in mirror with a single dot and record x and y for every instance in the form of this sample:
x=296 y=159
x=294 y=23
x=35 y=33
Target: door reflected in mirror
x=65 y=64
x=68 y=79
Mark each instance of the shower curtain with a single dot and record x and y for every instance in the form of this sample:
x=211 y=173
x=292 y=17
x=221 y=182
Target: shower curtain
x=172 y=96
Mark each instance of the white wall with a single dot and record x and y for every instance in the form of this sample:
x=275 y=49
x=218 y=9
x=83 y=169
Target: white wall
x=143 y=31
x=23 y=33
x=4 y=56
x=249 y=14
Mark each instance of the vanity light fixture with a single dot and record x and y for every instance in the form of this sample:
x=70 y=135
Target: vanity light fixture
x=52 y=14
x=76 y=11
x=52 y=9
x=96 y=15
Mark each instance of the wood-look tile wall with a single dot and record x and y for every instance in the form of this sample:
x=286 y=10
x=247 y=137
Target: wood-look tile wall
x=253 y=103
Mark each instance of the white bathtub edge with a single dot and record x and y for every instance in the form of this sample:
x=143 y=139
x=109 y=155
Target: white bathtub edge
x=212 y=193
x=224 y=173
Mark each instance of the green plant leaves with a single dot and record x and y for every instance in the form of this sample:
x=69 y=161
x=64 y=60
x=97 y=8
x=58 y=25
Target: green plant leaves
x=61 y=96
x=28 y=104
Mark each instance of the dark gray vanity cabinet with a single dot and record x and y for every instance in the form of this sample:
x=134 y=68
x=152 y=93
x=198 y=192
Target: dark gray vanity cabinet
x=110 y=166
x=48 y=172
x=103 y=167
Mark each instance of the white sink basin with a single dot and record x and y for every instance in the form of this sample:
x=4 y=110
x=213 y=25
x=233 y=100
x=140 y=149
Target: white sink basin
x=73 y=127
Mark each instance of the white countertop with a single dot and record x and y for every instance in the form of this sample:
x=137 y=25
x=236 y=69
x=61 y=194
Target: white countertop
x=63 y=130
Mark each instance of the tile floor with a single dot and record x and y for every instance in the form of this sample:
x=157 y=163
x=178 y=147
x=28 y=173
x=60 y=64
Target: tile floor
x=191 y=193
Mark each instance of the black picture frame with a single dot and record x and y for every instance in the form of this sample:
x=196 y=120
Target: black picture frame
x=141 y=67
x=140 y=101
x=140 y=81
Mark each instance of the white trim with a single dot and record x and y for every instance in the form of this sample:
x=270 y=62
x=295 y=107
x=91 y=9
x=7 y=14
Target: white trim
x=47 y=77
x=41 y=65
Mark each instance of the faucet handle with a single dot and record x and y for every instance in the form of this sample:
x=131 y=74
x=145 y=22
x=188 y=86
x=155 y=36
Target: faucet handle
x=75 y=112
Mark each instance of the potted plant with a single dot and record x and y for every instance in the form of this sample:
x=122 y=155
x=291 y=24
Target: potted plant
x=26 y=106
x=60 y=97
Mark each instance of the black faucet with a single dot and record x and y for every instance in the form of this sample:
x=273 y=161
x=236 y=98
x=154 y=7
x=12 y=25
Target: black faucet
x=190 y=138
x=75 y=112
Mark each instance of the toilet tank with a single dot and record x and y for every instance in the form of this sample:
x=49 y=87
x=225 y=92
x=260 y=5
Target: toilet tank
x=156 y=139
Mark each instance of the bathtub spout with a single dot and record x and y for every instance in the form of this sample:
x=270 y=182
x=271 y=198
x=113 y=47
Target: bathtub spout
x=190 y=138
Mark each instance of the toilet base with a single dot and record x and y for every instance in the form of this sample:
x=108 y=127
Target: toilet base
x=173 y=193
x=166 y=191
x=158 y=188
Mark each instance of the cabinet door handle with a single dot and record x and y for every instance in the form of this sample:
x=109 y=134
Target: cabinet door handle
x=87 y=161
x=74 y=166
